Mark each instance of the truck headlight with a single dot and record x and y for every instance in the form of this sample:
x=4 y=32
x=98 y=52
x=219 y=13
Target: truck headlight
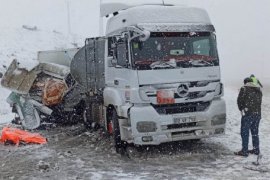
x=146 y=126
x=218 y=119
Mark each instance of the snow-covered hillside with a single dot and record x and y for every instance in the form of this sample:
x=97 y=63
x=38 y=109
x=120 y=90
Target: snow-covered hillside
x=23 y=44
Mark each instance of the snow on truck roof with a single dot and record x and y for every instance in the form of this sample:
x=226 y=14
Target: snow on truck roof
x=110 y=7
x=157 y=15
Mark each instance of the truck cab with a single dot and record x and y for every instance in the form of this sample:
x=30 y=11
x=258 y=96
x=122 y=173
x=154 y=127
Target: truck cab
x=161 y=75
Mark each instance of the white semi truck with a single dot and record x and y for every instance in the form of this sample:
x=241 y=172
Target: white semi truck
x=154 y=77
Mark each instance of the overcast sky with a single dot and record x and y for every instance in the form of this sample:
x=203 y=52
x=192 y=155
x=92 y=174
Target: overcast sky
x=242 y=26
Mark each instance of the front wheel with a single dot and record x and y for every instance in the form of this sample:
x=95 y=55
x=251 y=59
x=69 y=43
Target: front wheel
x=114 y=130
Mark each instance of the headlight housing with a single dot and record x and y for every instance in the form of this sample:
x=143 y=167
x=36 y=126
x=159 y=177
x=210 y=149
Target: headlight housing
x=218 y=120
x=219 y=90
x=146 y=126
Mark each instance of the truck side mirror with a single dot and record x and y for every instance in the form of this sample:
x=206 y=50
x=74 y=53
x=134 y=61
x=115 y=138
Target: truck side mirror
x=111 y=46
x=145 y=36
x=122 y=54
x=113 y=62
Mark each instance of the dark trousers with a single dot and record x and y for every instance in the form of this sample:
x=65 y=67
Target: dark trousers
x=250 y=122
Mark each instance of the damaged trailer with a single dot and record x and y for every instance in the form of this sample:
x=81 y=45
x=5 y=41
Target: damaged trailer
x=47 y=92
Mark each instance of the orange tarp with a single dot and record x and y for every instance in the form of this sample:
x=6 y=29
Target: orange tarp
x=16 y=135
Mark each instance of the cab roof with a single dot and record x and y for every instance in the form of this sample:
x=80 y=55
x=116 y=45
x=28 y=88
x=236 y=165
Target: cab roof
x=157 y=14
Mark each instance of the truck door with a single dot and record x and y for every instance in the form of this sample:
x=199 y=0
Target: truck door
x=119 y=72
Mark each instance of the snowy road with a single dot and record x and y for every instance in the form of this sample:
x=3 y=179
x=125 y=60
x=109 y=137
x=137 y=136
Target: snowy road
x=73 y=153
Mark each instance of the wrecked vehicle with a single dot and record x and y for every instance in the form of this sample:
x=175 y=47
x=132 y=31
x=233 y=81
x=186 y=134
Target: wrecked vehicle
x=45 y=91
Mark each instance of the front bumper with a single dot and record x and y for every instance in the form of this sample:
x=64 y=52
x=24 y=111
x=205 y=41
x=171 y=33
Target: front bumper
x=167 y=129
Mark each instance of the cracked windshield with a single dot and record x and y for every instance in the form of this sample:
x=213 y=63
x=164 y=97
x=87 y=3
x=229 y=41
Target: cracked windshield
x=175 y=50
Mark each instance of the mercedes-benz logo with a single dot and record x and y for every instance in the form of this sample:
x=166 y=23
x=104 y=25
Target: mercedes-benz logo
x=182 y=90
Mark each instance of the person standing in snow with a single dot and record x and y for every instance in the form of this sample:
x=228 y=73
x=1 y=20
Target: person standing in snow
x=255 y=81
x=249 y=103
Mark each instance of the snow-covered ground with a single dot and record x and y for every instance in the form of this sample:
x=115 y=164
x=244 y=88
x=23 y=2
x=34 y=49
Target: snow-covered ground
x=73 y=153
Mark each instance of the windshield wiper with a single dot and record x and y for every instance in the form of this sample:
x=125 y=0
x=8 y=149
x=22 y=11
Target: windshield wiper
x=163 y=64
x=200 y=62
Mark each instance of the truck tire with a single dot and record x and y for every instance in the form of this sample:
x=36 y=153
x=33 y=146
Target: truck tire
x=87 y=117
x=114 y=131
x=90 y=116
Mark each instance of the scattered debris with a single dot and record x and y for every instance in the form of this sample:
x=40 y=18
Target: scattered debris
x=53 y=91
x=44 y=92
x=43 y=166
x=57 y=32
x=31 y=28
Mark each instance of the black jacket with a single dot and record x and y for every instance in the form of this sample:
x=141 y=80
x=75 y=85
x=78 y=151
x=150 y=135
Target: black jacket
x=250 y=99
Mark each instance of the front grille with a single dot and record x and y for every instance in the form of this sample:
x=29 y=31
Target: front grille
x=181 y=107
x=191 y=95
x=183 y=133
x=184 y=125
x=194 y=95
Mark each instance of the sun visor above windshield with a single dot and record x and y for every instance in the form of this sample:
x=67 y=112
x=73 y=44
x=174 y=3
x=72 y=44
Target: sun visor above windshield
x=157 y=15
x=175 y=27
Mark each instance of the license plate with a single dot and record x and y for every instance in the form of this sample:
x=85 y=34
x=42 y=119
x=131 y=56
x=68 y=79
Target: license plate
x=179 y=120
